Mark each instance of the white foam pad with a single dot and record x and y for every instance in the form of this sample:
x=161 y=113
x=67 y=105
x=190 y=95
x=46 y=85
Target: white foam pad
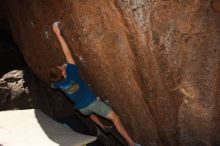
x=34 y=128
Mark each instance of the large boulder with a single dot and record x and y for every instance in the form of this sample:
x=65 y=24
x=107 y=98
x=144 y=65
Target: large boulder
x=157 y=62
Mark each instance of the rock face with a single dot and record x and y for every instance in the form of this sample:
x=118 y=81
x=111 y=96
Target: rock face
x=216 y=5
x=157 y=62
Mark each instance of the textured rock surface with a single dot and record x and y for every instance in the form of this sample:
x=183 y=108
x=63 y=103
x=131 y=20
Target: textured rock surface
x=216 y=5
x=157 y=62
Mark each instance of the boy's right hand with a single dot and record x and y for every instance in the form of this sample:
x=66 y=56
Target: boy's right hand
x=56 y=28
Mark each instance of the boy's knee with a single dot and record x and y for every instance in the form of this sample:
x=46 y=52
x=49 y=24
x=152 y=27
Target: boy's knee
x=117 y=118
x=114 y=117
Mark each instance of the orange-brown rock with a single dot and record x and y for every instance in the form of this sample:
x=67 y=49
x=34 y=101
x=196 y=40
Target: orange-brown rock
x=216 y=5
x=157 y=62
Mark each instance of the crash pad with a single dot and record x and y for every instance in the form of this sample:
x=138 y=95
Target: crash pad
x=34 y=128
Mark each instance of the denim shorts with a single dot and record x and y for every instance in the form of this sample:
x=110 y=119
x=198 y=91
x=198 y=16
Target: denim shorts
x=98 y=107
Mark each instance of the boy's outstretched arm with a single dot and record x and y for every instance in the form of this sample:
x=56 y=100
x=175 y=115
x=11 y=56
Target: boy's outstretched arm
x=63 y=43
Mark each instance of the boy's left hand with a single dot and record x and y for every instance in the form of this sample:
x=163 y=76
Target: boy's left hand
x=56 y=28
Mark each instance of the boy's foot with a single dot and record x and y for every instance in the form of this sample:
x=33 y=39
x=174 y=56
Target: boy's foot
x=107 y=129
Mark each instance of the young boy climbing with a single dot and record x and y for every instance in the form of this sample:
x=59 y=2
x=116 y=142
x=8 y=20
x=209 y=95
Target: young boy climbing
x=66 y=78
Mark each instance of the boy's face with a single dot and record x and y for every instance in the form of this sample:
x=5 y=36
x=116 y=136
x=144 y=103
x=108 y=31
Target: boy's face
x=62 y=69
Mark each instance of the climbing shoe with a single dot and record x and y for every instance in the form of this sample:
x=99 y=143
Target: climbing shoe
x=107 y=129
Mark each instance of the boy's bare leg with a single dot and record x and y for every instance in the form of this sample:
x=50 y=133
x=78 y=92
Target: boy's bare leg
x=96 y=120
x=117 y=122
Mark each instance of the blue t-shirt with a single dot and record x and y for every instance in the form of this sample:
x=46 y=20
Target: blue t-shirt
x=75 y=88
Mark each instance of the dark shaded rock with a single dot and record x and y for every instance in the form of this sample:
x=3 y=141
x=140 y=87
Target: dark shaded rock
x=10 y=57
x=157 y=62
